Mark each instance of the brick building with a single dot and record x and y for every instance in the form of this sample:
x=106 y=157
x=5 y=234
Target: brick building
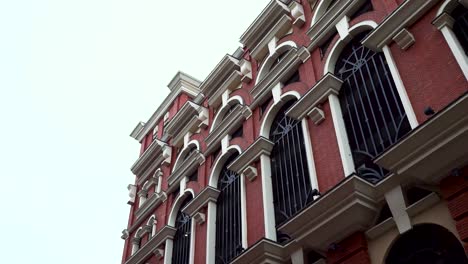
x=337 y=134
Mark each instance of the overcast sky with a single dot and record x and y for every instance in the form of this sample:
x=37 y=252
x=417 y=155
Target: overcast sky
x=75 y=78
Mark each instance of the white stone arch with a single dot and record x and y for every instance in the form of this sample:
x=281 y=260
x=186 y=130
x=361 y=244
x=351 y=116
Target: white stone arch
x=265 y=161
x=136 y=241
x=152 y=221
x=187 y=148
x=274 y=54
x=320 y=11
x=212 y=208
x=224 y=108
x=444 y=23
x=176 y=207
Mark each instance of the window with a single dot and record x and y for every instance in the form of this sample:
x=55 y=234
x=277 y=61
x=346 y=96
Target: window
x=292 y=189
x=373 y=114
x=182 y=237
x=228 y=215
x=460 y=26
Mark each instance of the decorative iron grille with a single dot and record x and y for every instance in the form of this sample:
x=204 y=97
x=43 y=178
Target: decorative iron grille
x=292 y=190
x=228 y=216
x=182 y=237
x=460 y=26
x=372 y=110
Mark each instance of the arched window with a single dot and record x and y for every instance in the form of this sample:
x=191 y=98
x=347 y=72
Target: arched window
x=373 y=114
x=292 y=189
x=182 y=237
x=228 y=215
x=429 y=244
x=460 y=26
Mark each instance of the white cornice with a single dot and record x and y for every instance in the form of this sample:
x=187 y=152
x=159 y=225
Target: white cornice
x=281 y=72
x=153 y=245
x=329 y=84
x=209 y=194
x=227 y=126
x=231 y=83
x=350 y=207
x=152 y=203
x=189 y=118
x=181 y=83
x=251 y=154
x=264 y=251
x=225 y=69
x=264 y=22
x=434 y=149
x=404 y=16
x=185 y=169
x=140 y=126
x=156 y=153
x=325 y=27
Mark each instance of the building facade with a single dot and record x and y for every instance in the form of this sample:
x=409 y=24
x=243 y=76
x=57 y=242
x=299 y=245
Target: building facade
x=338 y=133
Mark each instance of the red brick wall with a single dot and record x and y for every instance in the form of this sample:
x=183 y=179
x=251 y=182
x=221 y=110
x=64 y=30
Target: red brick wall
x=351 y=250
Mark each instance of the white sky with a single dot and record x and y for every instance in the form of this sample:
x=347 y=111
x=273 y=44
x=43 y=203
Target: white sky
x=75 y=78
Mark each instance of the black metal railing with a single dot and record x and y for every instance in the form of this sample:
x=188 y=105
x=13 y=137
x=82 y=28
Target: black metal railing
x=182 y=237
x=373 y=114
x=228 y=216
x=460 y=26
x=292 y=189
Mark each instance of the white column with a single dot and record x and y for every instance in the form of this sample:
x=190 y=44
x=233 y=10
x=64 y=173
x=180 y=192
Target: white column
x=192 y=242
x=142 y=194
x=168 y=251
x=310 y=155
x=400 y=88
x=211 y=233
x=298 y=257
x=243 y=212
x=341 y=136
x=135 y=245
x=267 y=195
x=456 y=48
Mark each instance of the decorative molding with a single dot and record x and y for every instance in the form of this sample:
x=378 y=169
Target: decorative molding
x=209 y=194
x=227 y=126
x=246 y=70
x=349 y=207
x=297 y=13
x=250 y=172
x=277 y=31
x=264 y=251
x=159 y=253
x=324 y=28
x=200 y=218
x=261 y=146
x=137 y=130
x=125 y=234
x=224 y=76
x=185 y=168
x=154 y=179
x=281 y=72
x=404 y=39
x=132 y=189
x=329 y=84
x=157 y=153
x=443 y=20
x=155 y=242
x=181 y=83
x=316 y=115
x=151 y=203
x=189 y=118
x=265 y=25
x=432 y=150
x=403 y=17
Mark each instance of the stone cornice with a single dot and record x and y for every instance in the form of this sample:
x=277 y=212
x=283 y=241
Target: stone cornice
x=231 y=83
x=227 y=126
x=224 y=71
x=181 y=83
x=251 y=154
x=209 y=194
x=281 y=72
x=404 y=16
x=150 y=204
x=157 y=153
x=185 y=168
x=325 y=26
x=349 y=207
x=264 y=251
x=264 y=23
x=329 y=84
x=189 y=118
x=138 y=128
x=432 y=150
x=151 y=246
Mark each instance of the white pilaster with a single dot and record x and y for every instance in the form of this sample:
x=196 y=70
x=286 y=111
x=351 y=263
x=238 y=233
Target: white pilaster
x=211 y=233
x=310 y=155
x=396 y=201
x=267 y=195
x=243 y=212
x=168 y=251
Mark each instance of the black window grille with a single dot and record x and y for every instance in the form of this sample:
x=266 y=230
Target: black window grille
x=182 y=237
x=372 y=110
x=228 y=216
x=460 y=26
x=292 y=189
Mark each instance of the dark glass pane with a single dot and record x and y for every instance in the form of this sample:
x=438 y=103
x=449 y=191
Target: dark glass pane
x=460 y=27
x=181 y=249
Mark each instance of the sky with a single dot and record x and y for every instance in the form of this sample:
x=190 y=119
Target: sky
x=75 y=79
